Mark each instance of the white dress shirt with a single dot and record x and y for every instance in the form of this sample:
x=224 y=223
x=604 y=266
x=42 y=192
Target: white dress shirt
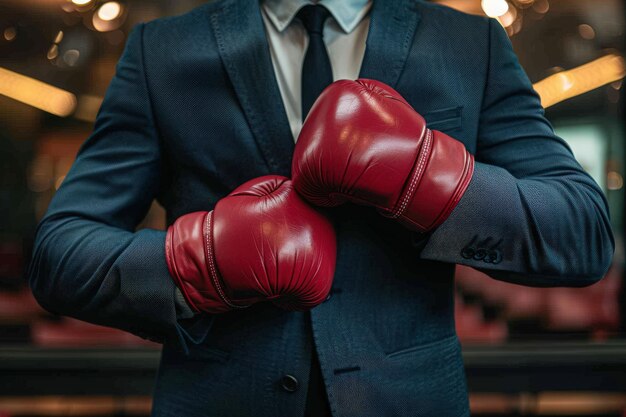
x=345 y=33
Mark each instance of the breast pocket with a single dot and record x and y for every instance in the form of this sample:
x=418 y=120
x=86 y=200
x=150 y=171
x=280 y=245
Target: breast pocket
x=446 y=119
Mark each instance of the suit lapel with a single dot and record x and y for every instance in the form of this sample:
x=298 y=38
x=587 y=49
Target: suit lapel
x=240 y=35
x=390 y=36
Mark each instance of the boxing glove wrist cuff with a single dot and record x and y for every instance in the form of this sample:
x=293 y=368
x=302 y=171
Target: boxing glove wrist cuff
x=214 y=274
x=191 y=263
x=441 y=175
x=421 y=162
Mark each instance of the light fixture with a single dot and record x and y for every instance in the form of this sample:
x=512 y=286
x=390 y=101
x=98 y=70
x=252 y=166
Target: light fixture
x=586 y=31
x=36 y=93
x=495 y=8
x=110 y=11
x=108 y=17
x=10 y=33
x=567 y=84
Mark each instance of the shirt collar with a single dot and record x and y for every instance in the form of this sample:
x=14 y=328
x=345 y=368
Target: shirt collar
x=347 y=13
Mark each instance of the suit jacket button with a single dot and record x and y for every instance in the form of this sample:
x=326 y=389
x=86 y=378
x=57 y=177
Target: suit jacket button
x=496 y=257
x=480 y=254
x=289 y=383
x=468 y=253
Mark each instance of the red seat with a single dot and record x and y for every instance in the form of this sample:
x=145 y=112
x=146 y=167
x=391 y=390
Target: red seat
x=19 y=306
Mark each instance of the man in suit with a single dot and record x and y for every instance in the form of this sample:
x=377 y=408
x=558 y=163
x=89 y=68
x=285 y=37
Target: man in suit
x=206 y=101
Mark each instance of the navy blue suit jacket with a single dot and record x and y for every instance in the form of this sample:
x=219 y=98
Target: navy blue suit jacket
x=194 y=110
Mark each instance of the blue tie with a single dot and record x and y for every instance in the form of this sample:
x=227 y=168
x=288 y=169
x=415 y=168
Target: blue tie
x=317 y=73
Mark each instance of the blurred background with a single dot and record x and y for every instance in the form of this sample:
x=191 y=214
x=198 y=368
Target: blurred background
x=554 y=352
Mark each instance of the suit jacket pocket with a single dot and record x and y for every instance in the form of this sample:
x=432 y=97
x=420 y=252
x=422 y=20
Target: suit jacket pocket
x=422 y=380
x=445 y=119
x=440 y=345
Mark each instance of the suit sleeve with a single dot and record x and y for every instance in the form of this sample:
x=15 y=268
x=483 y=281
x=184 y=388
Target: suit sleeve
x=530 y=215
x=88 y=260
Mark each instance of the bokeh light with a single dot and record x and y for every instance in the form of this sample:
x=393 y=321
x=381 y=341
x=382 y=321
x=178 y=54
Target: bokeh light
x=495 y=8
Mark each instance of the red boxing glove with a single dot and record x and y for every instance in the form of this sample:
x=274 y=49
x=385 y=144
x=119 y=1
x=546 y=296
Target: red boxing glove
x=261 y=242
x=364 y=143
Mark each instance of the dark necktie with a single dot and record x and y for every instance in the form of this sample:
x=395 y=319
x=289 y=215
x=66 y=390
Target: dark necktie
x=317 y=73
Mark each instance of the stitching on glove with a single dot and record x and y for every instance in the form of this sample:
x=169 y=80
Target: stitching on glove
x=208 y=233
x=418 y=173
